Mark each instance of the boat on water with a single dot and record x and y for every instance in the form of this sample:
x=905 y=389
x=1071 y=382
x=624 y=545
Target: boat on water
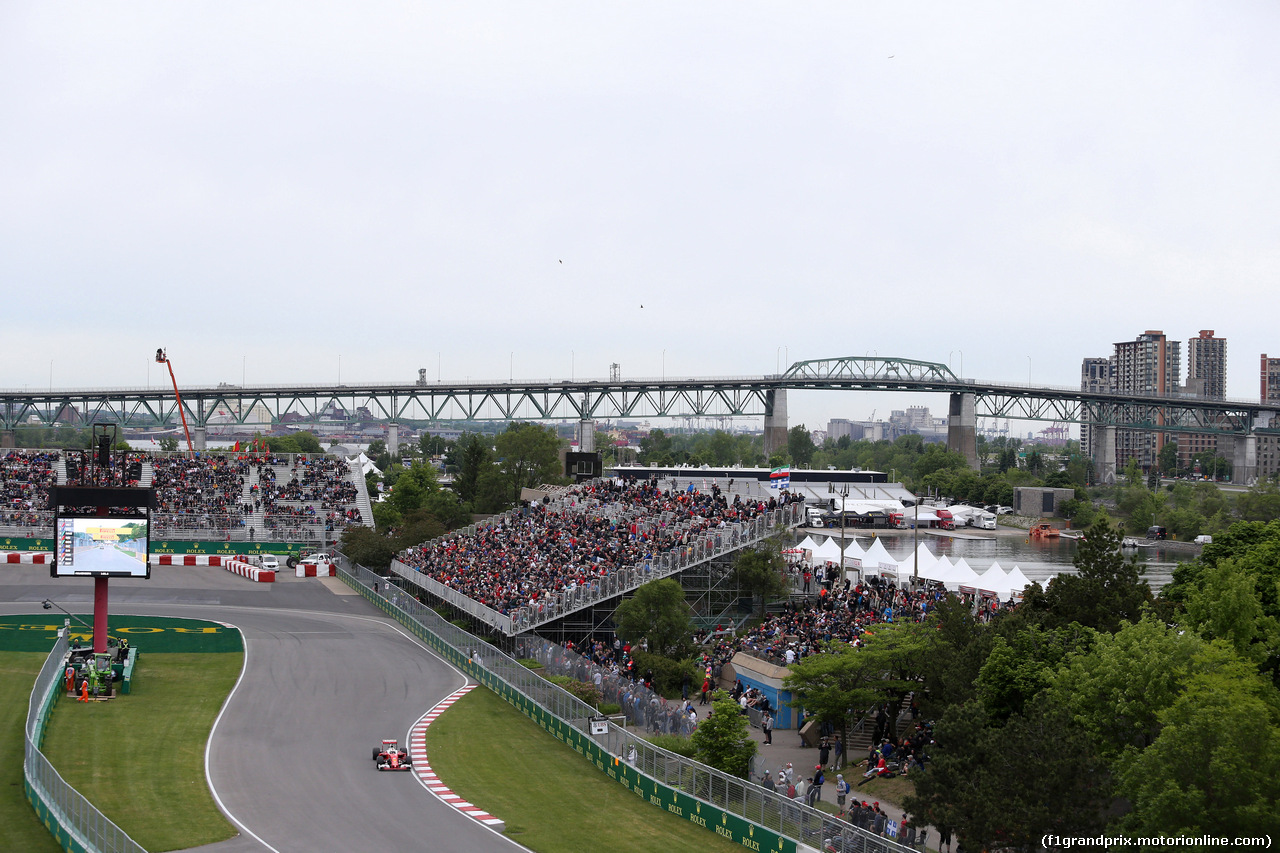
x=1045 y=530
x=1071 y=534
x=1130 y=542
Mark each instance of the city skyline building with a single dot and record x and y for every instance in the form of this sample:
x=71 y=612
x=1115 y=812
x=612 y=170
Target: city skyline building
x=1149 y=364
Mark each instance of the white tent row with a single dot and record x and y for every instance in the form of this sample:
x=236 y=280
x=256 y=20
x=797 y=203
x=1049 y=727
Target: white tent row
x=957 y=576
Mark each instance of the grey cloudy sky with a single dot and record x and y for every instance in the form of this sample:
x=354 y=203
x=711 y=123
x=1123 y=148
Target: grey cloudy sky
x=269 y=189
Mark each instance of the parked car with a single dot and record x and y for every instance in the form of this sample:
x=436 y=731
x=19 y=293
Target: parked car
x=268 y=561
x=1155 y=531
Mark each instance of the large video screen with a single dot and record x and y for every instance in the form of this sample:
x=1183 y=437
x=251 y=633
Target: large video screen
x=102 y=546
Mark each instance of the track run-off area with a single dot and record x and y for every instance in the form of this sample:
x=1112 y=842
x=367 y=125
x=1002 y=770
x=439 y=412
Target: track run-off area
x=326 y=677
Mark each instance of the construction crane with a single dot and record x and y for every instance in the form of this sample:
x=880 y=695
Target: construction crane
x=162 y=358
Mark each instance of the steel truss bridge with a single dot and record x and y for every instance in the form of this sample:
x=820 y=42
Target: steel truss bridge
x=239 y=409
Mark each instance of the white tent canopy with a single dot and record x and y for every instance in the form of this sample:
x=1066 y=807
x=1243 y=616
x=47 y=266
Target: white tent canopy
x=877 y=558
x=994 y=580
x=1017 y=581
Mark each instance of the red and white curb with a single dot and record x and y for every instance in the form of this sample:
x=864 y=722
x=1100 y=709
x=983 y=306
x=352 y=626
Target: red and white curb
x=418 y=752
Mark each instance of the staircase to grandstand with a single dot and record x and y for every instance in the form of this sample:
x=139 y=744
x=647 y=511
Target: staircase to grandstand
x=700 y=549
x=362 y=493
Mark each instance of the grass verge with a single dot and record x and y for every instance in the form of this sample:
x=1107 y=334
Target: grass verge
x=164 y=723
x=552 y=799
x=19 y=827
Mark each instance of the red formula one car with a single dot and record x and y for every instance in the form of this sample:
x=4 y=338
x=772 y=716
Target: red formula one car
x=391 y=757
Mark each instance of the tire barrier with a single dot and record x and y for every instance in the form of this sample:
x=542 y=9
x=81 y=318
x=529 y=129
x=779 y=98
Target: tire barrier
x=316 y=570
x=250 y=571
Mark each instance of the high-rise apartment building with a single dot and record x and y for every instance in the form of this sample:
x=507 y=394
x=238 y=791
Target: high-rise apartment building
x=1207 y=365
x=1149 y=364
x=1206 y=377
x=1097 y=376
x=1270 y=380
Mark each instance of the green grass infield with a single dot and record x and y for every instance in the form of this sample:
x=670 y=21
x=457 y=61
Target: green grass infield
x=164 y=723
x=148 y=634
x=20 y=829
x=551 y=799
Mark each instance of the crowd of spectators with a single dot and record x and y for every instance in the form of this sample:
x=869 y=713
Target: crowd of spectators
x=592 y=531
x=841 y=610
x=201 y=492
x=27 y=476
x=194 y=494
x=319 y=493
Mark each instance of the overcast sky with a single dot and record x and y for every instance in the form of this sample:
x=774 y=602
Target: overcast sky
x=534 y=189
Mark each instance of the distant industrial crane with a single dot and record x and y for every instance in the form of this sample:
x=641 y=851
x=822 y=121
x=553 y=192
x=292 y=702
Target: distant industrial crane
x=162 y=358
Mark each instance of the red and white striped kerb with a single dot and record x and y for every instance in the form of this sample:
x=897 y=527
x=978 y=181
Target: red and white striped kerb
x=418 y=752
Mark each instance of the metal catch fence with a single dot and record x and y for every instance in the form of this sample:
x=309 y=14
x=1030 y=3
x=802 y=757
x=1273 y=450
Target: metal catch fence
x=72 y=819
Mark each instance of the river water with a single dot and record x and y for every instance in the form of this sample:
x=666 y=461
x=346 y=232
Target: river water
x=1039 y=559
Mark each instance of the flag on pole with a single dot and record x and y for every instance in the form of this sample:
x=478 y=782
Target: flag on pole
x=780 y=478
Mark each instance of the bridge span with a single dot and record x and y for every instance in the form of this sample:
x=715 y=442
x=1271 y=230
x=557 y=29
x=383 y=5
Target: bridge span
x=266 y=406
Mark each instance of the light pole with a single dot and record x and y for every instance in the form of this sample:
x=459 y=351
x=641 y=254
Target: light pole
x=915 y=546
x=1028 y=370
x=844 y=493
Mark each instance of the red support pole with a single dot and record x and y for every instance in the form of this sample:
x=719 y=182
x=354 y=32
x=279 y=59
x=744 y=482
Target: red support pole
x=99 y=614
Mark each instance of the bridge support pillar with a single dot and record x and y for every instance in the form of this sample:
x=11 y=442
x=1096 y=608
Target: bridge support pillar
x=199 y=438
x=1244 y=461
x=962 y=428
x=775 y=421
x=393 y=439
x=6 y=438
x=1103 y=444
x=586 y=436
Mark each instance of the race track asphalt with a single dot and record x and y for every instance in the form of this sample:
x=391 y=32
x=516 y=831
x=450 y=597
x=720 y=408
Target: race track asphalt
x=327 y=678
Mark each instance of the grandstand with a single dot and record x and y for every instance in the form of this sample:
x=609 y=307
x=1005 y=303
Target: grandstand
x=590 y=544
x=229 y=497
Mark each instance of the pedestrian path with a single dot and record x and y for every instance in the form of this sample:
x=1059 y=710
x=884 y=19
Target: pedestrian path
x=787 y=749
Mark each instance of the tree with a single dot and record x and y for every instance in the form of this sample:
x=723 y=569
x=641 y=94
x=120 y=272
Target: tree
x=472 y=456
x=723 y=740
x=800 y=446
x=432 y=445
x=1008 y=786
x=1019 y=667
x=762 y=572
x=1215 y=766
x=655 y=448
x=658 y=613
x=367 y=547
x=1167 y=459
x=1106 y=589
x=168 y=444
x=886 y=669
x=1117 y=689
x=528 y=455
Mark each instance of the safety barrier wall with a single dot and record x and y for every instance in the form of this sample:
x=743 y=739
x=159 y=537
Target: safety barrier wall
x=75 y=824
x=743 y=812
